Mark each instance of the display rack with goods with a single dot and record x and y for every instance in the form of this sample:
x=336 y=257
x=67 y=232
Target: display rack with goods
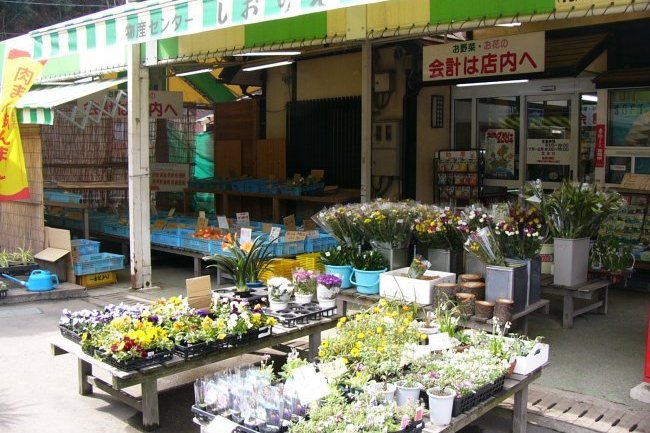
x=457 y=176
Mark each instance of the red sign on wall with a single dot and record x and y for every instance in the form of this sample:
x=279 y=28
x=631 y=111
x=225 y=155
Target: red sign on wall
x=599 y=153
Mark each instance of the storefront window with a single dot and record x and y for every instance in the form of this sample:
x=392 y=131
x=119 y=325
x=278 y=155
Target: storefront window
x=498 y=135
x=462 y=124
x=616 y=167
x=629 y=114
x=548 y=141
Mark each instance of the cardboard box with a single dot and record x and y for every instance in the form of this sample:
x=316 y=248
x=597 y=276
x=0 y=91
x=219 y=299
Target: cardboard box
x=56 y=256
x=395 y=285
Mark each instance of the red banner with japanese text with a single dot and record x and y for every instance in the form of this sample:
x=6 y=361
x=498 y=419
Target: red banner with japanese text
x=599 y=151
x=19 y=74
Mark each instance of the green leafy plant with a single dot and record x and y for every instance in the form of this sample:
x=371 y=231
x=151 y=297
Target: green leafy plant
x=244 y=262
x=369 y=261
x=337 y=256
x=576 y=210
x=24 y=255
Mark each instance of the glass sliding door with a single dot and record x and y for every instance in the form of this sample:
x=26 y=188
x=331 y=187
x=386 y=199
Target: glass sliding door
x=551 y=150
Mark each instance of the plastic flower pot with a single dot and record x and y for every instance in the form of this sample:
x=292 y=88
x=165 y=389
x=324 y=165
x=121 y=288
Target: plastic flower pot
x=441 y=403
x=367 y=282
x=303 y=298
x=343 y=272
x=277 y=305
x=571 y=261
x=383 y=390
x=405 y=394
x=326 y=303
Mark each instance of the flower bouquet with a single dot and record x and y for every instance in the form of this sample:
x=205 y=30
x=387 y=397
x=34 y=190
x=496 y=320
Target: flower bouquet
x=388 y=225
x=342 y=222
x=438 y=228
x=521 y=234
x=484 y=245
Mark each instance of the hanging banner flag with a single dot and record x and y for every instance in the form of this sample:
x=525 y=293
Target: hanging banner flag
x=599 y=151
x=19 y=74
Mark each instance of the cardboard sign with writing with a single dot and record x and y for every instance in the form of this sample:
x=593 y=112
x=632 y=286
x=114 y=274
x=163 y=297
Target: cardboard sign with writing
x=312 y=234
x=199 y=291
x=311 y=386
x=222 y=221
x=245 y=234
x=266 y=227
x=171 y=212
x=274 y=235
x=309 y=224
x=289 y=222
x=334 y=369
x=221 y=424
x=201 y=223
x=294 y=236
x=243 y=219
x=159 y=224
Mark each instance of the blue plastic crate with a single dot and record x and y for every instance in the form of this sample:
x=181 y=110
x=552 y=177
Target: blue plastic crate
x=170 y=238
x=100 y=262
x=83 y=247
x=62 y=197
x=323 y=242
x=207 y=246
x=282 y=248
x=316 y=188
x=116 y=229
x=291 y=190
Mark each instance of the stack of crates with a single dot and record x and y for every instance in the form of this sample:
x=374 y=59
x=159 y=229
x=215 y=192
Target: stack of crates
x=310 y=262
x=279 y=268
x=93 y=268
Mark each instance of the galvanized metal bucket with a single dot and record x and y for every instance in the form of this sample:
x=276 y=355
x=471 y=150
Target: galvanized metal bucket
x=509 y=282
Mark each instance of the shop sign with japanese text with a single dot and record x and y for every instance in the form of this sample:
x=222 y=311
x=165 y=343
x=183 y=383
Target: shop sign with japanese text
x=599 y=151
x=548 y=151
x=504 y=55
x=162 y=105
x=169 y=177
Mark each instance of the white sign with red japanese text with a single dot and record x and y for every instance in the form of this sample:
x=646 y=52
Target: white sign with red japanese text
x=548 y=151
x=162 y=105
x=504 y=55
x=169 y=177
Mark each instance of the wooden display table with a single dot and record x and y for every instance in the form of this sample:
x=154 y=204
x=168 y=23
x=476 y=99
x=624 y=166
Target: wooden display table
x=594 y=291
x=515 y=386
x=148 y=377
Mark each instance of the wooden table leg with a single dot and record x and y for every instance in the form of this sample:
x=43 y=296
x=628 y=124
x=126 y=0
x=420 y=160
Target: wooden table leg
x=341 y=307
x=602 y=296
x=314 y=344
x=567 y=312
x=150 y=415
x=84 y=369
x=276 y=210
x=197 y=267
x=520 y=411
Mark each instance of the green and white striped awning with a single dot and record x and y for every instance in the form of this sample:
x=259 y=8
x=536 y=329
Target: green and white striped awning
x=160 y=19
x=36 y=106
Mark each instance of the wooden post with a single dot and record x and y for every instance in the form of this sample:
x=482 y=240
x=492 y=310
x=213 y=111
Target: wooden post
x=150 y=415
x=138 y=148
x=567 y=311
x=520 y=411
x=366 y=121
x=84 y=369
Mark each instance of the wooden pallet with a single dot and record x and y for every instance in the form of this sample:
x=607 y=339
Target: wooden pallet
x=576 y=413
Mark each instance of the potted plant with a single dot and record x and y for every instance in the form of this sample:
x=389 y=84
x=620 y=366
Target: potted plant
x=337 y=262
x=328 y=286
x=408 y=390
x=280 y=290
x=367 y=266
x=244 y=262
x=438 y=230
x=441 y=404
x=574 y=212
x=304 y=284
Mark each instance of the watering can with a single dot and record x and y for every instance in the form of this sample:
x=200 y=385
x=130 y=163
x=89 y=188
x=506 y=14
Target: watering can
x=38 y=281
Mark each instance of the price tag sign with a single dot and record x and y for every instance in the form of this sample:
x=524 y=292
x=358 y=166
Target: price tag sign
x=311 y=386
x=266 y=227
x=312 y=234
x=221 y=425
x=332 y=370
x=309 y=224
x=171 y=212
x=274 y=235
x=245 y=234
x=294 y=236
x=243 y=219
x=222 y=221
x=201 y=223
x=159 y=224
x=201 y=214
x=289 y=222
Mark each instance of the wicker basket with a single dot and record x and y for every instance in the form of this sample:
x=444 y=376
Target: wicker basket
x=503 y=309
x=477 y=288
x=484 y=309
x=466 y=303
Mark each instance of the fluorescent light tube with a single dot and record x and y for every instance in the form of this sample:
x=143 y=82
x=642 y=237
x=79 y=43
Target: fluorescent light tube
x=491 y=83
x=268 y=65
x=512 y=24
x=589 y=98
x=198 y=71
x=268 y=53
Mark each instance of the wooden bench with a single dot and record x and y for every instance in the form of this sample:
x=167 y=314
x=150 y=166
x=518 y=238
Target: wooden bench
x=594 y=291
x=148 y=377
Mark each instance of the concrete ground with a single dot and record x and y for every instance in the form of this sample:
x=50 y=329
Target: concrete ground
x=601 y=356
